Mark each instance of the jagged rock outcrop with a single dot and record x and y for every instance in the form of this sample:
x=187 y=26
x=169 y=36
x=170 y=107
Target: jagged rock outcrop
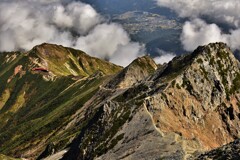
x=176 y=111
x=138 y=70
x=203 y=91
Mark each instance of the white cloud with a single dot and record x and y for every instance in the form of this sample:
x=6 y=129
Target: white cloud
x=103 y=40
x=197 y=32
x=131 y=50
x=234 y=39
x=26 y=23
x=220 y=10
x=164 y=57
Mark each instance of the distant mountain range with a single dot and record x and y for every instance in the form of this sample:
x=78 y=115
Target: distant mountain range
x=60 y=103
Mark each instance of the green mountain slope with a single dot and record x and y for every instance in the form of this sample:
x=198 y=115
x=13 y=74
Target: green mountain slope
x=36 y=104
x=3 y=157
x=67 y=61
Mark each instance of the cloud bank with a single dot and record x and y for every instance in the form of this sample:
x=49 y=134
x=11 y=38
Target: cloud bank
x=205 y=18
x=26 y=23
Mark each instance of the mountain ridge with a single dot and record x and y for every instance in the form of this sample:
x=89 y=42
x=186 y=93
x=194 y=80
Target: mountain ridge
x=115 y=113
x=42 y=97
x=136 y=71
x=189 y=80
x=74 y=62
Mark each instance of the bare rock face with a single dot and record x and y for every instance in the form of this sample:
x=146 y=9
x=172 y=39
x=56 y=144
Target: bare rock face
x=202 y=101
x=134 y=73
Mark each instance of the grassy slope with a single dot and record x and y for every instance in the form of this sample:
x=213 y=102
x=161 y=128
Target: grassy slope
x=67 y=61
x=3 y=157
x=33 y=110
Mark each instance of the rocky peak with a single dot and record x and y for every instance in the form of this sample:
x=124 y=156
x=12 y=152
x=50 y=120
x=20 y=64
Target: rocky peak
x=213 y=66
x=195 y=90
x=139 y=69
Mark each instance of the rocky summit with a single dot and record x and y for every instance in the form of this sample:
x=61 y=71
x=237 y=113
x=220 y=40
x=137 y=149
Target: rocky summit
x=59 y=103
